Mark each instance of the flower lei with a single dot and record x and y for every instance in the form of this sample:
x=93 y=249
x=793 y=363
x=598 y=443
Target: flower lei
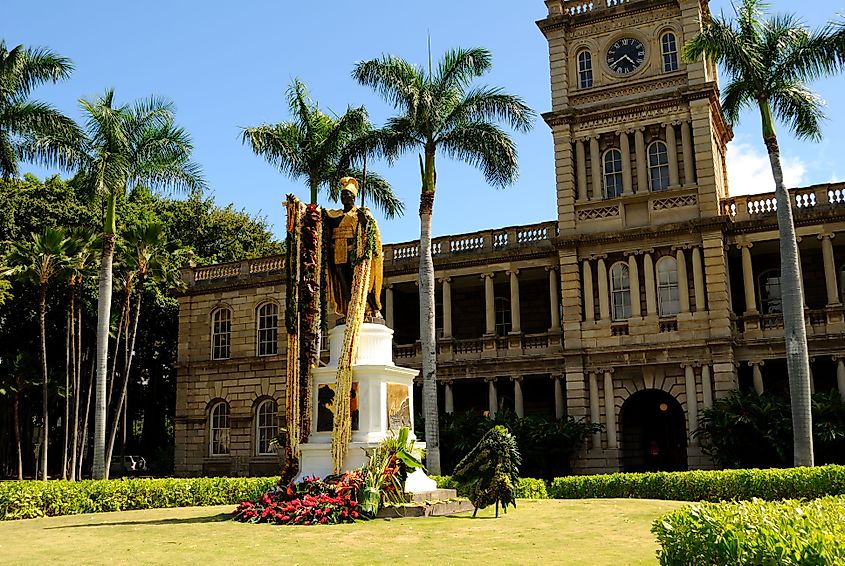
x=295 y=211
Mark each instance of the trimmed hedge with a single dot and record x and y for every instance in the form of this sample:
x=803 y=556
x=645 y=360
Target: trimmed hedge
x=707 y=485
x=526 y=488
x=29 y=499
x=788 y=533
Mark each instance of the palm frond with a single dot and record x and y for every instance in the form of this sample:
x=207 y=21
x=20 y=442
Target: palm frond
x=377 y=190
x=396 y=80
x=800 y=109
x=724 y=44
x=486 y=103
x=810 y=55
x=737 y=96
x=458 y=68
x=279 y=144
x=485 y=146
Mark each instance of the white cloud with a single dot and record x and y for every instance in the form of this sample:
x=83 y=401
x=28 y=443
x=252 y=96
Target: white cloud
x=749 y=170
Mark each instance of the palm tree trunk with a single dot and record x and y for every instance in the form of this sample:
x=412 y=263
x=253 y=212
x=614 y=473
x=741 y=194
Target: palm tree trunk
x=66 y=422
x=794 y=329
x=427 y=332
x=124 y=313
x=103 y=315
x=314 y=188
x=42 y=307
x=130 y=346
x=17 y=410
x=76 y=336
x=83 y=445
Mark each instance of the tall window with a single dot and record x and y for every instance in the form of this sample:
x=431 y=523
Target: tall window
x=221 y=334
x=503 y=316
x=620 y=291
x=266 y=426
x=612 y=173
x=658 y=166
x=669 y=49
x=268 y=329
x=585 y=70
x=770 y=297
x=218 y=434
x=668 y=301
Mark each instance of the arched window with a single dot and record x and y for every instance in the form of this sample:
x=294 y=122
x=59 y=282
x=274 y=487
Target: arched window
x=668 y=301
x=585 y=69
x=266 y=426
x=268 y=329
x=770 y=297
x=612 y=173
x=221 y=334
x=620 y=291
x=658 y=166
x=669 y=49
x=503 y=316
x=218 y=430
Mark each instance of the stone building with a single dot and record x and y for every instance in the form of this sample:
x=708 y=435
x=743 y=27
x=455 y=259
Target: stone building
x=652 y=293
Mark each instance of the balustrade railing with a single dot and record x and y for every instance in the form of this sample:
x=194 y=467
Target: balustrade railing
x=579 y=7
x=806 y=199
x=235 y=269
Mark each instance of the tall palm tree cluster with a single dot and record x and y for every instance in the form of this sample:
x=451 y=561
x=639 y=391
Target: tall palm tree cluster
x=440 y=111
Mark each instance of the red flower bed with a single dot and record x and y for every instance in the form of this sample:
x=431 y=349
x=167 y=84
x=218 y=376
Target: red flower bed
x=310 y=502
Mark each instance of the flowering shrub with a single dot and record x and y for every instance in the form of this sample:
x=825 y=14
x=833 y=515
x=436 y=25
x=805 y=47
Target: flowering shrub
x=310 y=502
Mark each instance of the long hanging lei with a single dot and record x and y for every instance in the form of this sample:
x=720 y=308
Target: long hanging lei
x=292 y=394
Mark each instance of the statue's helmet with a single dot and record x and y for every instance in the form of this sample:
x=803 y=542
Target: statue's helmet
x=349 y=184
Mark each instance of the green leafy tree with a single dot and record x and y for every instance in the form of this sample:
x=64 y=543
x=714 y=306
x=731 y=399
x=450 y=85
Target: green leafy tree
x=39 y=260
x=769 y=60
x=441 y=112
x=322 y=149
x=30 y=129
x=126 y=146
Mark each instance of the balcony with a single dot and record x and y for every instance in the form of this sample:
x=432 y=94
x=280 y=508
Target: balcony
x=819 y=323
x=513 y=345
x=808 y=200
x=243 y=269
x=476 y=243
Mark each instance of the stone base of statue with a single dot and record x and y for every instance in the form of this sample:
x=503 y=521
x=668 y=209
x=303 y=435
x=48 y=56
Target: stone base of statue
x=382 y=400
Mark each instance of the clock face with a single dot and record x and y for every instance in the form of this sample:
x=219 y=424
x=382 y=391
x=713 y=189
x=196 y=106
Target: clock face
x=625 y=55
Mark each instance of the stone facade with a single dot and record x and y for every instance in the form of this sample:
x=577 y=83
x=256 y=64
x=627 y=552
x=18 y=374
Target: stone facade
x=653 y=292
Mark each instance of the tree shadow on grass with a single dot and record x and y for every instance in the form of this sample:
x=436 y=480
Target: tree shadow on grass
x=218 y=518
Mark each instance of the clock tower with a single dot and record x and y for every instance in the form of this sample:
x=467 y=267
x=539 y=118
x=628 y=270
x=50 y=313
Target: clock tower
x=639 y=143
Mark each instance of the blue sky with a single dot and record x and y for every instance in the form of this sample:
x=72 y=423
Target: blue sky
x=227 y=65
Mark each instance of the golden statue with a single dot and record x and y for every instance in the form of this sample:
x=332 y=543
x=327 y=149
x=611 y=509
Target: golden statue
x=353 y=238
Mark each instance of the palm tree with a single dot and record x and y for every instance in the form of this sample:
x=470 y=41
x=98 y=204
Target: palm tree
x=29 y=129
x=439 y=111
x=322 y=149
x=15 y=379
x=149 y=257
x=769 y=61
x=126 y=146
x=38 y=261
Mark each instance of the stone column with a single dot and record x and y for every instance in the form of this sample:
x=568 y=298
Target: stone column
x=559 y=401
x=516 y=325
x=686 y=142
x=840 y=377
x=683 y=282
x=672 y=154
x=492 y=397
x=489 y=303
x=698 y=279
x=388 y=305
x=610 y=410
x=642 y=161
x=594 y=408
x=447 y=307
x=757 y=374
x=518 y=405
x=604 y=298
x=581 y=170
x=829 y=269
x=595 y=167
x=448 y=397
x=625 y=147
x=634 y=280
x=748 y=278
x=650 y=285
x=692 y=399
x=589 y=301
x=554 y=299
x=706 y=386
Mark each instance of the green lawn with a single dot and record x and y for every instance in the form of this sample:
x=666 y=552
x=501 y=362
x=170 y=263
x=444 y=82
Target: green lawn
x=590 y=532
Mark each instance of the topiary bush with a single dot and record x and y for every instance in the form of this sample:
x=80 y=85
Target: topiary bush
x=706 y=485
x=29 y=499
x=526 y=488
x=489 y=473
x=754 y=532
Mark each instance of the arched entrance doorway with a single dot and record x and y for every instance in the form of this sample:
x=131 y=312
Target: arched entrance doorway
x=653 y=433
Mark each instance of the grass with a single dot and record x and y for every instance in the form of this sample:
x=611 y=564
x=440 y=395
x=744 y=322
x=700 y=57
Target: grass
x=594 y=532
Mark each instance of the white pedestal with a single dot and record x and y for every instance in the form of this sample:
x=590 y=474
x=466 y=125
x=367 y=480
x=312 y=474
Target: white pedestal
x=379 y=386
